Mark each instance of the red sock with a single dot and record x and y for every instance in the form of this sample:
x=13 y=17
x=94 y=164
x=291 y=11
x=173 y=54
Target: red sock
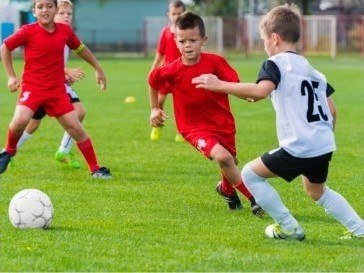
x=12 y=141
x=88 y=153
x=226 y=186
x=241 y=187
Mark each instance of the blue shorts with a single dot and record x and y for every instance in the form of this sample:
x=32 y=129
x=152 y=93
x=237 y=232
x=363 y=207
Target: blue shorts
x=289 y=167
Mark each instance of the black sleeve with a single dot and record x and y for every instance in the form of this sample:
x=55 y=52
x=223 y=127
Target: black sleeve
x=329 y=90
x=269 y=71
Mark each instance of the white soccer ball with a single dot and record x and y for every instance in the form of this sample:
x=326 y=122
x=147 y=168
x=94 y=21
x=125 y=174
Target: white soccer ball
x=31 y=208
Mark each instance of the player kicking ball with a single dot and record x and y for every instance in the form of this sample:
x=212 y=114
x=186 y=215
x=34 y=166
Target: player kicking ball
x=305 y=118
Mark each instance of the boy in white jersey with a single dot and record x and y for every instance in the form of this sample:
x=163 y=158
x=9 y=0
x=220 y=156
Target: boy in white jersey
x=305 y=118
x=64 y=153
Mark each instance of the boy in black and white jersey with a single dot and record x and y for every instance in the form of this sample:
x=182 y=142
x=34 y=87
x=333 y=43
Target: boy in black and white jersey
x=305 y=119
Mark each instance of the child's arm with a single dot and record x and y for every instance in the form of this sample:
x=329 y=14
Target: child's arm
x=248 y=91
x=158 y=61
x=157 y=115
x=87 y=55
x=333 y=111
x=13 y=82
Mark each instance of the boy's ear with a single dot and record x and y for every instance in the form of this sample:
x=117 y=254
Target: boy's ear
x=204 y=40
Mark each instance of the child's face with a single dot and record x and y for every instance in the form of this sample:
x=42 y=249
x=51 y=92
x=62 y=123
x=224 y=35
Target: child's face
x=44 y=11
x=189 y=42
x=173 y=13
x=64 y=15
x=268 y=43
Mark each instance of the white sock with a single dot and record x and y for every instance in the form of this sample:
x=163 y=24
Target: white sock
x=337 y=206
x=268 y=198
x=25 y=136
x=66 y=143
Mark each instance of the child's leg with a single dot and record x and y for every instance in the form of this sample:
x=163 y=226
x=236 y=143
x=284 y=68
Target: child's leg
x=32 y=126
x=74 y=127
x=67 y=141
x=254 y=174
x=336 y=206
x=20 y=120
x=229 y=170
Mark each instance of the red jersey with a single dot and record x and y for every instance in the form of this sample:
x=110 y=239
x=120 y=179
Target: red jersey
x=167 y=46
x=43 y=55
x=195 y=109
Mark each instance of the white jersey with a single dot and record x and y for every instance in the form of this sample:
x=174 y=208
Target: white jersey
x=303 y=118
x=72 y=93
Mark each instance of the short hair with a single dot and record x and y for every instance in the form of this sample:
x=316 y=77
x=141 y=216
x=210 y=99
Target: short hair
x=285 y=21
x=177 y=4
x=54 y=1
x=65 y=3
x=190 y=20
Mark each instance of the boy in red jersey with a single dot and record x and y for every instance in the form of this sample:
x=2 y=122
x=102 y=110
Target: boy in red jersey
x=43 y=81
x=64 y=153
x=167 y=52
x=203 y=118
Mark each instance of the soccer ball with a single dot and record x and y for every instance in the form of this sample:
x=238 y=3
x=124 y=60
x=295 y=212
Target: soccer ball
x=31 y=208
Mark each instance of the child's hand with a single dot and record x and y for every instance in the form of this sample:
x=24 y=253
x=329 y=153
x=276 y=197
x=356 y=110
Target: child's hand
x=101 y=79
x=207 y=81
x=13 y=84
x=157 y=117
x=74 y=75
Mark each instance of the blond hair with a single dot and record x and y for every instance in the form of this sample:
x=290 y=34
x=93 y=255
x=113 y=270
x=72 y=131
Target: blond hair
x=66 y=3
x=285 y=20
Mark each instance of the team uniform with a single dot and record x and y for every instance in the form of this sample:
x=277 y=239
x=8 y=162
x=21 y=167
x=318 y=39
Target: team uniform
x=73 y=97
x=44 y=62
x=303 y=118
x=167 y=47
x=202 y=117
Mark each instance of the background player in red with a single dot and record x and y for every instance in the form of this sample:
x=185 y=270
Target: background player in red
x=43 y=81
x=203 y=118
x=167 y=52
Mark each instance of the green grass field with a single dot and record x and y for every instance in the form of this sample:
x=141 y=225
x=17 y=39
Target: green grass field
x=160 y=212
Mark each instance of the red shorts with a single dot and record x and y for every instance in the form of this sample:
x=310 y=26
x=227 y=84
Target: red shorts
x=55 y=103
x=205 y=141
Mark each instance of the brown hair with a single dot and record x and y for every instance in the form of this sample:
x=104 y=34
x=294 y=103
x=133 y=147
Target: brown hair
x=190 y=20
x=54 y=1
x=285 y=21
x=177 y=4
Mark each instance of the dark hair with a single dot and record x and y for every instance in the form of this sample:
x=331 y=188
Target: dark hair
x=54 y=1
x=177 y=4
x=190 y=20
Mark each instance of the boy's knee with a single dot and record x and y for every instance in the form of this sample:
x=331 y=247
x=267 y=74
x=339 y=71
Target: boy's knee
x=224 y=159
x=249 y=176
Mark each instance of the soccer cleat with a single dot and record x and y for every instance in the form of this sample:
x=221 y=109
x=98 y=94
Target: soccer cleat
x=179 y=138
x=103 y=173
x=256 y=209
x=67 y=158
x=275 y=231
x=233 y=201
x=73 y=162
x=350 y=236
x=4 y=161
x=155 y=134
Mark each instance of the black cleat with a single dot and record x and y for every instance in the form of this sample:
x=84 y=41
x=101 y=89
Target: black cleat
x=102 y=173
x=233 y=201
x=256 y=209
x=4 y=161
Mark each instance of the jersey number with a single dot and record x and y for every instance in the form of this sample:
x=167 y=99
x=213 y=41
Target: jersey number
x=309 y=90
